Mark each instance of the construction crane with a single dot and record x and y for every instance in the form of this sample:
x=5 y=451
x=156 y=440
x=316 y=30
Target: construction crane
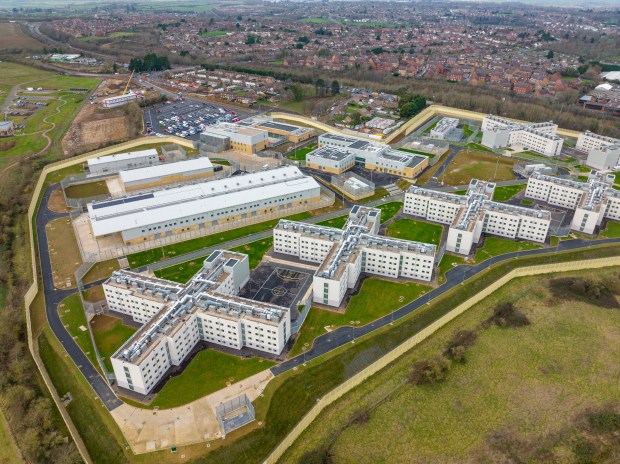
x=127 y=86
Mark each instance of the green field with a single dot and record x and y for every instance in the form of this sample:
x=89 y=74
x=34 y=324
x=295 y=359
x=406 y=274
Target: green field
x=110 y=333
x=506 y=192
x=521 y=392
x=101 y=270
x=213 y=33
x=337 y=222
x=8 y=450
x=495 y=246
x=300 y=154
x=389 y=210
x=73 y=318
x=184 y=271
x=316 y=20
x=469 y=164
x=416 y=231
x=208 y=372
x=143 y=258
x=90 y=189
x=611 y=231
x=363 y=308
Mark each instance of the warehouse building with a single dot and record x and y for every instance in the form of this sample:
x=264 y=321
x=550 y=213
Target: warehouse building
x=162 y=174
x=538 y=137
x=373 y=156
x=345 y=253
x=178 y=317
x=229 y=136
x=473 y=214
x=112 y=164
x=592 y=201
x=143 y=217
x=280 y=130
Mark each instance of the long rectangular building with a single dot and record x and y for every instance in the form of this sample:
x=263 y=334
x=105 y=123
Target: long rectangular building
x=372 y=155
x=162 y=174
x=345 y=253
x=603 y=152
x=538 y=137
x=112 y=164
x=157 y=214
x=177 y=317
x=473 y=214
x=592 y=201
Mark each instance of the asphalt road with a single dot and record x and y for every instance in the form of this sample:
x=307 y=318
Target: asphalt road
x=53 y=297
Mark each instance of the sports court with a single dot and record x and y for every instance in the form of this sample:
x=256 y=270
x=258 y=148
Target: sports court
x=277 y=285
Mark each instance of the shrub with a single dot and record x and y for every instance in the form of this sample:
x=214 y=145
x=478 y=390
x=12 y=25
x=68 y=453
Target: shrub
x=362 y=418
x=458 y=344
x=429 y=371
x=316 y=456
x=506 y=315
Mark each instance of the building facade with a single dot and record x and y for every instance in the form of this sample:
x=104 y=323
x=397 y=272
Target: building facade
x=345 y=253
x=591 y=201
x=112 y=164
x=471 y=215
x=248 y=140
x=537 y=137
x=147 y=216
x=177 y=317
x=178 y=172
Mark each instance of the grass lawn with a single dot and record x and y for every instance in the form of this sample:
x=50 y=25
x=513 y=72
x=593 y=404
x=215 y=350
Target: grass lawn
x=467 y=131
x=223 y=162
x=379 y=193
x=94 y=294
x=316 y=20
x=208 y=372
x=64 y=252
x=403 y=184
x=300 y=154
x=389 y=210
x=417 y=152
x=110 y=333
x=8 y=450
x=468 y=164
x=157 y=254
x=431 y=127
x=477 y=146
x=448 y=262
x=416 y=231
x=363 y=308
x=89 y=189
x=494 y=246
x=526 y=202
x=505 y=193
x=73 y=318
x=521 y=392
x=101 y=270
x=184 y=271
x=611 y=231
x=213 y=33
x=337 y=222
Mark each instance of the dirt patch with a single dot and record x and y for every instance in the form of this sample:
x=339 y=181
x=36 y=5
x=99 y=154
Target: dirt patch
x=592 y=290
x=6 y=144
x=96 y=127
x=94 y=294
x=64 y=253
x=57 y=203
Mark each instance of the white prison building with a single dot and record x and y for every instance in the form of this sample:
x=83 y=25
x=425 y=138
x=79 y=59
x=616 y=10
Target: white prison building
x=344 y=254
x=372 y=155
x=443 y=128
x=178 y=172
x=592 y=201
x=112 y=164
x=603 y=152
x=177 y=317
x=473 y=214
x=538 y=137
x=160 y=213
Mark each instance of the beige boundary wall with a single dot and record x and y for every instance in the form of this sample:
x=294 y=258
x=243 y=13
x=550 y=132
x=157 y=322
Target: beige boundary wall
x=411 y=125
x=357 y=379
x=34 y=288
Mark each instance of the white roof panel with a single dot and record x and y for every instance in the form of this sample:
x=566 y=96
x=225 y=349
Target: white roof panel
x=168 y=169
x=122 y=156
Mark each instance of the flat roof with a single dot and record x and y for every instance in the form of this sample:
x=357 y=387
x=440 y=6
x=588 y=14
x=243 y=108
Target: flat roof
x=122 y=156
x=167 y=169
x=330 y=153
x=165 y=205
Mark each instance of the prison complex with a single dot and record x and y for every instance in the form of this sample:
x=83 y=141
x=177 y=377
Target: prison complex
x=160 y=213
x=345 y=253
x=338 y=153
x=538 y=137
x=475 y=213
x=592 y=201
x=177 y=317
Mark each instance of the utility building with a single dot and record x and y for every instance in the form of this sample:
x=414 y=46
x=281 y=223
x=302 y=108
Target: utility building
x=229 y=136
x=111 y=164
x=471 y=215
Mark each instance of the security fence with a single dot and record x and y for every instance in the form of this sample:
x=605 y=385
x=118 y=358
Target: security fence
x=356 y=187
x=235 y=413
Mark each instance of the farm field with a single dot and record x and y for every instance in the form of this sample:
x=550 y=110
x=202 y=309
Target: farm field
x=13 y=37
x=468 y=164
x=529 y=391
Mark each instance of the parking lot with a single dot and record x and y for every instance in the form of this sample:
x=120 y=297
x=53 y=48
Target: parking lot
x=187 y=117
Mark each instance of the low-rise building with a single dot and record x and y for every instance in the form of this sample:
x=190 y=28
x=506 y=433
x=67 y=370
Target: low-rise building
x=592 y=201
x=248 y=140
x=537 y=137
x=169 y=173
x=290 y=132
x=346 y=253
x=120 y=100
x=444 y=128
x=330 y=159
x=112 y=164
x=372 y=155
x=471 y=215
x=178 y=317
x=7 y=128
x=604 y=158
x=588 y=140
x=148 y=216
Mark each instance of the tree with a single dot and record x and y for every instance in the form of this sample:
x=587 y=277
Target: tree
x=335 y=87
x=410 y=104
x=319 y=86
x=550 y=55
x=356 y=118
x=298 y=91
